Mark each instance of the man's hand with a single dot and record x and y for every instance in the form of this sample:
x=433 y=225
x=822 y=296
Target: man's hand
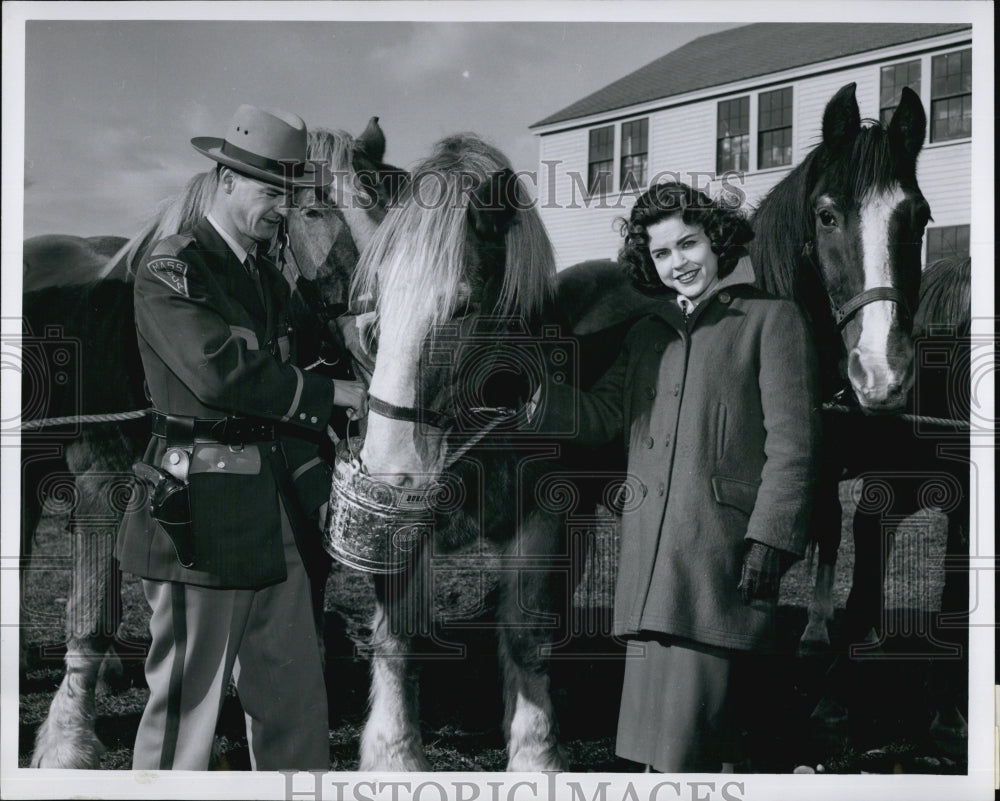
x=763 y=567
x=353 y=396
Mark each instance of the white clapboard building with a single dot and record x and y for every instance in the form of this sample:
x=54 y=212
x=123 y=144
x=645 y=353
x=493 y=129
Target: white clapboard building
x=744 y=106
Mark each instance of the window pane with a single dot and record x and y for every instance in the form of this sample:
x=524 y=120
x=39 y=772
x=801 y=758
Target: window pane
x=947 y=242
x=893 y=79
x=601 y=143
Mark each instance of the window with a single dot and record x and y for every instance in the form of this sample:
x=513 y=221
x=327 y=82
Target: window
x=601 y=160
x=774 y=129
x=951 y=96
x=635 y=150
x=732 y=141
x=893 y=79
x=946 y=242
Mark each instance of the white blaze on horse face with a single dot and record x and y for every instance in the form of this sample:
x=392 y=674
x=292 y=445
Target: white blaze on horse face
x=358 y=209
x=875 y=377
x=400 y=452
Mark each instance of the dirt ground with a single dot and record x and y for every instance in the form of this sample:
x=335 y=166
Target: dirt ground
x=893 y=695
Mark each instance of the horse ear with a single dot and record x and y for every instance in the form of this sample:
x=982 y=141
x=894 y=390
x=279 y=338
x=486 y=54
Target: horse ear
x=493 y=205
x=841 y=119
x=909 y=125
x=372 y=141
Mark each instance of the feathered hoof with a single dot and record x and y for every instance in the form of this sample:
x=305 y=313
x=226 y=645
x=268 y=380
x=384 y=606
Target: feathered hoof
x=77 y=748
x=111 y=677
x=816 y=637
x=535 y=760
x=408 y=758
x=950 y=733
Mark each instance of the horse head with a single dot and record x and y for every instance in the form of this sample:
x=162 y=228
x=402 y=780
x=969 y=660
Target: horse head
x=459 y=267
x=854 y=209
x=327 y=229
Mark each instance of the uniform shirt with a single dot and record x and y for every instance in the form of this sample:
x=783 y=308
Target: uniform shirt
x=211 y=347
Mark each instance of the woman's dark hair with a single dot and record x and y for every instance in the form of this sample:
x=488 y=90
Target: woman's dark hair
x=726 y=228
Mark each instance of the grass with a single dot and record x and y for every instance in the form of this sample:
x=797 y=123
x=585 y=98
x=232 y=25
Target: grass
x=460 y=698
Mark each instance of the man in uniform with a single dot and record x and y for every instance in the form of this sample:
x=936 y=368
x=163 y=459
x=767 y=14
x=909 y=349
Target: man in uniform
x=233 y=483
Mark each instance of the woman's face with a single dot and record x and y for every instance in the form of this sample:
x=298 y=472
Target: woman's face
x=683 y=257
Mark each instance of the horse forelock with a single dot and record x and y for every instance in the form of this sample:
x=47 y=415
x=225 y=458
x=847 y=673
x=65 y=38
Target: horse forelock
x=417 y=266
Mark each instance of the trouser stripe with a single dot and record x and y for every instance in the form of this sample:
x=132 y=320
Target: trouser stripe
x=173 y=722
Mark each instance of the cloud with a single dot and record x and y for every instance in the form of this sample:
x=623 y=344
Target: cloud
x=431 y=51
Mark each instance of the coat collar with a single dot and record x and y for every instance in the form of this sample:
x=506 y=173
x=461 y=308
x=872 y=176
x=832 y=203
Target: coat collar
x=669 y=310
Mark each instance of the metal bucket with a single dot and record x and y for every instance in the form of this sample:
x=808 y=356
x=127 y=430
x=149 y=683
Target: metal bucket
x=372 y=525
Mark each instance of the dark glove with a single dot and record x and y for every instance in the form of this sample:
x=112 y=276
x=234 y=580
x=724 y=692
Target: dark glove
x=763 y=567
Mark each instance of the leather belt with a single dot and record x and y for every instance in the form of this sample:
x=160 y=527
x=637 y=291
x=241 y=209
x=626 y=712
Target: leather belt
x=181 y=430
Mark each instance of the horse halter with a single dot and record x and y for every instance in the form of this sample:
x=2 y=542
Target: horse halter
x=843 y=314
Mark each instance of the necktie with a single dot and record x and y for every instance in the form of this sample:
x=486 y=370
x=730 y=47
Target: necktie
x=251 y=265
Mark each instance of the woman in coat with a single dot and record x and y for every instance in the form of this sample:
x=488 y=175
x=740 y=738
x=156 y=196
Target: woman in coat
x=715 y=394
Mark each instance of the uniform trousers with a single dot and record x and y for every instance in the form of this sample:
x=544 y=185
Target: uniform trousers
x=266 y=640
x=677 y=711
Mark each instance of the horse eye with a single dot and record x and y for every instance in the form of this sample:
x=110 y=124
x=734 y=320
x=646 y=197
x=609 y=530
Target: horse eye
x=921 y=216
x=827 y=219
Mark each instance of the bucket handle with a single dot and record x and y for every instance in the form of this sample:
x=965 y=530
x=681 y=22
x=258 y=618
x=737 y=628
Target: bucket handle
x=355 y=457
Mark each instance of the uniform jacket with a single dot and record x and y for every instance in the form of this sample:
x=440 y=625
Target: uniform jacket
x=721 y=420
x=211 y=348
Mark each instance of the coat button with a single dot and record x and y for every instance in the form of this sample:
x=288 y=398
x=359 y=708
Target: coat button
x=650 y=392
x=648 y=442
x=661 y=490
x=302 y=416
x=666 y=441
x=724 y=297
x=677 y=389
x=313 y=419
x=659 y=347
x=221 y=465
x=274 y=449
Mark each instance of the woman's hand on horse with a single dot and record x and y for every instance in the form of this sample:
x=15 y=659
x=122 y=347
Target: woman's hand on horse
x=353 y=395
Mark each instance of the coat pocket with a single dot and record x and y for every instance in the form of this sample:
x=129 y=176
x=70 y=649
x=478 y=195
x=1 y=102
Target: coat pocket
x=733 y=492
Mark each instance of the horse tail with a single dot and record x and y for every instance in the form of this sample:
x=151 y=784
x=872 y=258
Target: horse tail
x=174 y=215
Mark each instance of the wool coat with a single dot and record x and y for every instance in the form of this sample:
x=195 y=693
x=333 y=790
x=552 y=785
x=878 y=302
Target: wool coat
x=720 y=417
x=212 y=346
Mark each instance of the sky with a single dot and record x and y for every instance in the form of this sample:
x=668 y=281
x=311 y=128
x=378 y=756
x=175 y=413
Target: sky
x=110 y=106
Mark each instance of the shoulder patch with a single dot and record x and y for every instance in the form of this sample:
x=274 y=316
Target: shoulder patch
x=171 y=272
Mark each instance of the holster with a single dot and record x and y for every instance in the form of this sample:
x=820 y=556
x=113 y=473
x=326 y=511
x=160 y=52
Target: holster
x=170 y=506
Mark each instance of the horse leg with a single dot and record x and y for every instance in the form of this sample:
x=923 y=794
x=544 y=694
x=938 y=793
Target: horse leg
x=527 y=600
x=67 y=737
x=827 y=521
x=949 y=730
x=391 y=738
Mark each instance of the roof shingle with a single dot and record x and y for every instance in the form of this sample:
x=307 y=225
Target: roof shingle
x=741 y=53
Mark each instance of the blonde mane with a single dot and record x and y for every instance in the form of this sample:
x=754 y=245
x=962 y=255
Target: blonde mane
x=416 y=265
x=180 y=212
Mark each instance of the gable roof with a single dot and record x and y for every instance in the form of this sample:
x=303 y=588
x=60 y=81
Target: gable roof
x=745 y=52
